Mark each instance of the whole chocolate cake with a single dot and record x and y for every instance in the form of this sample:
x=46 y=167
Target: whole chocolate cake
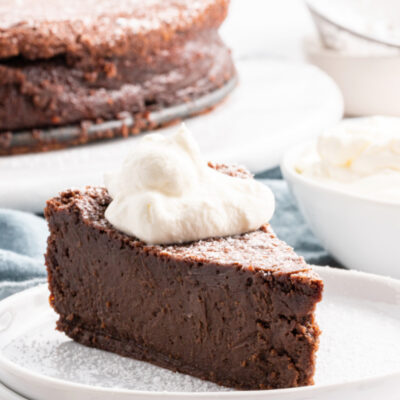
x=84 y=62
x=235 y=310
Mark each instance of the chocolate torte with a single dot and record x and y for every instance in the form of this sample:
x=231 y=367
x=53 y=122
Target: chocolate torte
x=85 y=62
x=238 y=311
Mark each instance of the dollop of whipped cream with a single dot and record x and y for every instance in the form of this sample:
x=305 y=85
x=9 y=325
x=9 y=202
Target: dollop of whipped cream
x=166 y=193
x=358 y=155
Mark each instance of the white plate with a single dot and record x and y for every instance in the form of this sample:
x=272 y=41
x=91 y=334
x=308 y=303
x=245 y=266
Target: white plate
x=7 y=394
x=275 y=105
x=359 y=356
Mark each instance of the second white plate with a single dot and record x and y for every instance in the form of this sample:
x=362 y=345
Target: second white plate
x=359 y=356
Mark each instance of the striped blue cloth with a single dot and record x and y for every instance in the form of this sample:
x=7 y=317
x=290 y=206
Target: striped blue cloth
x=22 y=245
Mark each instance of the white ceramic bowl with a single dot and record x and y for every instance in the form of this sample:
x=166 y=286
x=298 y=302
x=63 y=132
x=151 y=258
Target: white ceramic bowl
x=370 y=84
x=361 y=233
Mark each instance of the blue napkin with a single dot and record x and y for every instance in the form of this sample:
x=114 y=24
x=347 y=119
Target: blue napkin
x=23 y=239
x=22 y=245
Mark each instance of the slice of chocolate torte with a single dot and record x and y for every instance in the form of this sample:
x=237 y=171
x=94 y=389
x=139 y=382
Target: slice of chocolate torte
x=238 y=310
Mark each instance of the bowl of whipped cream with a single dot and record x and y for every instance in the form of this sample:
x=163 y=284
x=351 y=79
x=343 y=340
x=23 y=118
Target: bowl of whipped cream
x=347 y=185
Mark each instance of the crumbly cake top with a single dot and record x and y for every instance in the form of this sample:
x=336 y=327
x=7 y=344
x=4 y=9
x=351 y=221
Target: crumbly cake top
x=42 y=28
x=258 y=250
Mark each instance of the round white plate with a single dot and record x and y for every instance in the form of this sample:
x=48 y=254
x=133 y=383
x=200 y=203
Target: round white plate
x=359 y=356
x=7 y=394
x=275 y=105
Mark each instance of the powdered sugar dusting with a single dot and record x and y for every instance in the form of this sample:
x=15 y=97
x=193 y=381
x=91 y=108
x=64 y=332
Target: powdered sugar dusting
x=358 y=341
x=51 y=353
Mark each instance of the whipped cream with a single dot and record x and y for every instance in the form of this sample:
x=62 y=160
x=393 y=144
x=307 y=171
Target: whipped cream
x=360 y=156
x=166 y=193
